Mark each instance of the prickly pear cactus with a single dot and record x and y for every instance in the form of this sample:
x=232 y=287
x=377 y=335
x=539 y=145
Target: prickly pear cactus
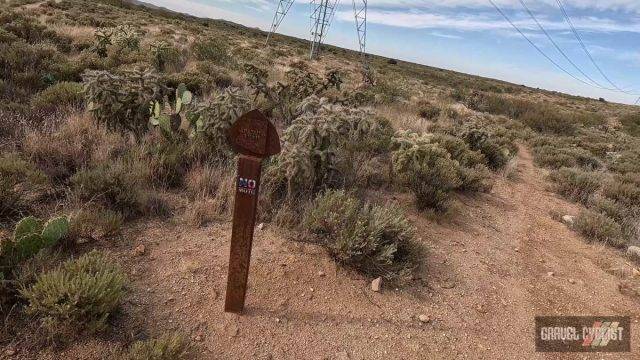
x=29 y=237
x=167 y=115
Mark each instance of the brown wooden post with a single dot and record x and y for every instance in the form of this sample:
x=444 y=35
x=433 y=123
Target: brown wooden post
x=255 y=138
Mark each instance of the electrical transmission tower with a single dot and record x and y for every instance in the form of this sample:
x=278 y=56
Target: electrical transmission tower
x=281 y=12
x=322 y=13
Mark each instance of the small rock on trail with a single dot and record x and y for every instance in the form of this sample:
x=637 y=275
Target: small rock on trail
x=376 y=285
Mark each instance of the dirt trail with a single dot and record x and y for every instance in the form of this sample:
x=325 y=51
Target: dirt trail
x=484 y=279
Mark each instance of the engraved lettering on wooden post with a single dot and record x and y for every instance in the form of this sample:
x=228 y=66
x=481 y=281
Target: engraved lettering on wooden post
x=255 y=138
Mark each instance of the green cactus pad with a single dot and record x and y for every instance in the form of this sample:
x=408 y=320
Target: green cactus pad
x=28 y=246
x=187 y=97
x=26 y=226
x=54 y=230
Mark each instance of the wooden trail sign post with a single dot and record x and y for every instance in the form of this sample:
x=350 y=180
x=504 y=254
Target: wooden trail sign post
x=255 y=138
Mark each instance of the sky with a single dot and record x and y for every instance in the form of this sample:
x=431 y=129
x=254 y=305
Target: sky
x=471 y=36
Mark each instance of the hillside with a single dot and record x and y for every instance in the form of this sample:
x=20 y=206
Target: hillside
x=471 y=199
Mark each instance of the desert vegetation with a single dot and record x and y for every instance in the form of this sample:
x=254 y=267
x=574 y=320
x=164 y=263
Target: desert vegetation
x=118 y=119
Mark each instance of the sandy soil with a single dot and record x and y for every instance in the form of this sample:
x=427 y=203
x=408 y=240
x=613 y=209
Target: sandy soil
x=484 y=278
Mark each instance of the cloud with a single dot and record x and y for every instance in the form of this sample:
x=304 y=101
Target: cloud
x=484 y=21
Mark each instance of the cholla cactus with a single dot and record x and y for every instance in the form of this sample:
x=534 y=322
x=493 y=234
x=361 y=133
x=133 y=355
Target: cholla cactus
x=103 y=39
x=31 y=236
x=319 y=143
x=426 y=168
x=121 y=101
x=127 y=37
x=167 y=115
x=285 y=98
x=213 y=119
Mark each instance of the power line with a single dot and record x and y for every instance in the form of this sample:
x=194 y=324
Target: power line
x=555 y=44
x=536 y=46
x=584 y=47
x=539 y=49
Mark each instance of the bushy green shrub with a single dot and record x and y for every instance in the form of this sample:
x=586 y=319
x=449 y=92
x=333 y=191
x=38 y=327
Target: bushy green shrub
x=81 y=294
x=58 y=95
x=428 y=111
x=166 y=347
x=120 y=185
x=625 y=189
x=166 y=57
x=626 y=162
x=547 y=119
x=631 y=123
x=95 y=222
x=372 y=239
x=31 y=68
x=121 y=101
x=213 y=50
x=538 y=116
x=598 y=227
x=559 y=157
x=497 y=151
x=575 y=184
x=426 y=168
x=475 y=176
x=20 y=183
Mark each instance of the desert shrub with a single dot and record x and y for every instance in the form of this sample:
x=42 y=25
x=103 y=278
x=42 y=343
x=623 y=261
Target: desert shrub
x=20 y=184
x=497 y=151
x=215 y=74
x=372 y=239
x=120 y=185
x=598 y=227
x=388 y=91
x=81 y=294
x=121 y=101
x=166 y=57
x=631 y=123
x=74 y=144
x=426 y=168
x=322 y=148
x=60 y=94
x=475 y=179
x=538 y=116
x=624 y=188
x=166 y=347
x=27 y=69
x=575 y=184
x=30 y=30
x=429 y=111
x=611 y=208
x=626 y=162
x=559 y=157
x=167 y=163
x=213 y=50
x=95 y=222
x=494 y=103
x=547 y=119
